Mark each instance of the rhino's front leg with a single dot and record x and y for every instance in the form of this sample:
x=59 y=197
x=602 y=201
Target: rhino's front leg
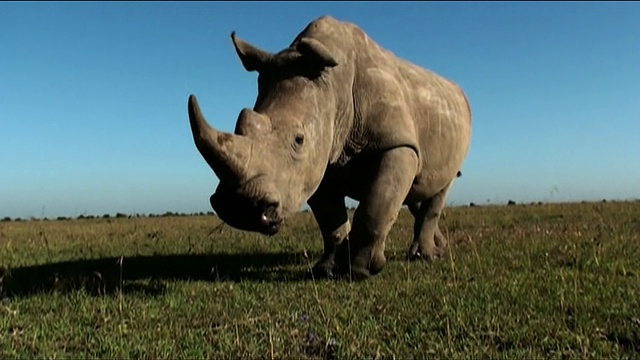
x=363 y=254
x=331 y=215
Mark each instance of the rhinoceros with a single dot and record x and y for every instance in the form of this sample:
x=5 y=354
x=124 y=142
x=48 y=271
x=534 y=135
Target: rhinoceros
x=338 y=116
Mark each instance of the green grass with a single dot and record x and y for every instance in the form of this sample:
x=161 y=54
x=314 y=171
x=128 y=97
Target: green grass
x=535 y=281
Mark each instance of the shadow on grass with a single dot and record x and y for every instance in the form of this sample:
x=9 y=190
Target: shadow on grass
x=145 y=274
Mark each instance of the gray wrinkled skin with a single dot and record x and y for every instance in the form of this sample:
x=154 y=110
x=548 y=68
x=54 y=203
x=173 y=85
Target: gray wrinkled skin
x=337 y=115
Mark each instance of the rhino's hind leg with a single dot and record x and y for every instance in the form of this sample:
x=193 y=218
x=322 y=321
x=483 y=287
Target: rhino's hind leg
x=331 y=215
x=428 y=241
x=363 y=254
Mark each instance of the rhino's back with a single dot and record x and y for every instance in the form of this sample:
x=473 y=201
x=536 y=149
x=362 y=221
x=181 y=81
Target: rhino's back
x=438 y=116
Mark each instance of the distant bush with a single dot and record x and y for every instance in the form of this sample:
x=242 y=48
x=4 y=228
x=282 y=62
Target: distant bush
x=105 y=216
x=121 y=215
x=5 y=219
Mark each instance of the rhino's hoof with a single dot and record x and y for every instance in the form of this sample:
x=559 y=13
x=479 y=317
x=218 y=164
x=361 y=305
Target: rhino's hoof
x=359 y=264
x=378 y=260
x=353 y=273
x=359 y=273
x=417 y=256
x=354 y=269
x=416 y=252
x=323 y=270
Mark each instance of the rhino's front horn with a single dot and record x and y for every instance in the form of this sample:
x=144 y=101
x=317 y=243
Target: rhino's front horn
x=227 y=154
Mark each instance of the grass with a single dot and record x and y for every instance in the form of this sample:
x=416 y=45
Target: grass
x=534 y=281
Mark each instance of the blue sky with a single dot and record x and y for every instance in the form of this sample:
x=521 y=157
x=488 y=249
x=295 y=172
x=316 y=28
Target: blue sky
x=93 y=115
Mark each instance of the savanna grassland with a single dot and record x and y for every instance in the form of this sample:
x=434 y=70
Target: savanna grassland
x=534 y=281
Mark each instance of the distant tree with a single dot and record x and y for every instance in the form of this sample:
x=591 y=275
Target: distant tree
x=5 y=219
x=511 y=202
x=105 y=216
x=17 y=219
x=120 y=215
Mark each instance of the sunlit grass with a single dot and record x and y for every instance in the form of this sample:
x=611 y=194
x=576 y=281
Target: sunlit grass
x=535 y=281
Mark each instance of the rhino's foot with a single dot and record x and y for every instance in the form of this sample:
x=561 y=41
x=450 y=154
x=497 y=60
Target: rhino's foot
x=323 y=269
x=358 y=265
x=428 y=250
x=356 y=273
x=428 y=253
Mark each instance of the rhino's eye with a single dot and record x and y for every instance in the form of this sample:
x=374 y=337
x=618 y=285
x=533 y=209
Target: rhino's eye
x=299 y=139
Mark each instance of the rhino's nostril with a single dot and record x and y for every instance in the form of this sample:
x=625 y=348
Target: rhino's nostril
x=269 y=220
x=264 y=220
x=269 y=215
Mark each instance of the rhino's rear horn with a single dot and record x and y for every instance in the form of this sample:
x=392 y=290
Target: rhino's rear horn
x=252 y=58
x=228 y=155
x=315 y=50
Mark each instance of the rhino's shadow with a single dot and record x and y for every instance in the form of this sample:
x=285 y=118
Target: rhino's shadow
x=110 y=275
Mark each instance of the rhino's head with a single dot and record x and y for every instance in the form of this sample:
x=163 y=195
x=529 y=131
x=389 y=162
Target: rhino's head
x=279 y=151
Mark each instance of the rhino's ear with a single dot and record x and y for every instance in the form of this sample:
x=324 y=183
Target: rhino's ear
x=253 y=59
x=314 y=49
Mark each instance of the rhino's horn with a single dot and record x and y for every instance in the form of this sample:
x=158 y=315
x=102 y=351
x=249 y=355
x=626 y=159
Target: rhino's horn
x=252 y=58
x=227 y=154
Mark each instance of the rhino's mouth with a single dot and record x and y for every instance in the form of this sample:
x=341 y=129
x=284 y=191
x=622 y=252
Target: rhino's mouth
x=244 y=214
